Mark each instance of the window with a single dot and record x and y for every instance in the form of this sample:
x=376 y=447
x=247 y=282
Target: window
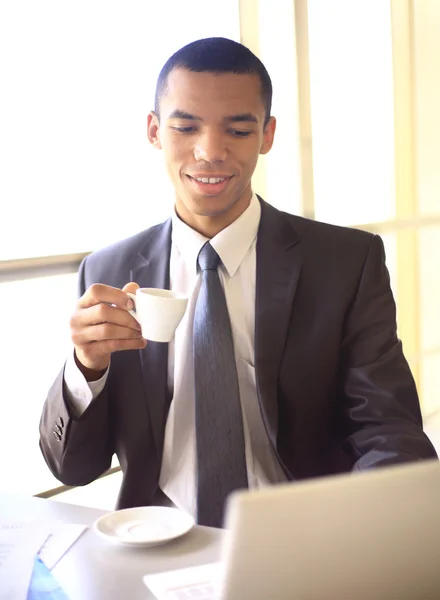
x=77 y=169
x=352 y=110
x=34 y=316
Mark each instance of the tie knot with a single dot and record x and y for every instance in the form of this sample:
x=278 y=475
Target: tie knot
x=208 y=258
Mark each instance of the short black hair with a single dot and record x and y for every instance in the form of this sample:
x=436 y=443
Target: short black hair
x=216 y=55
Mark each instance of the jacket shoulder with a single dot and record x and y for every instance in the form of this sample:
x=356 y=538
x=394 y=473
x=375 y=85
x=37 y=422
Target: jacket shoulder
x=329 y=250
x=327 y=234
x=310 y=231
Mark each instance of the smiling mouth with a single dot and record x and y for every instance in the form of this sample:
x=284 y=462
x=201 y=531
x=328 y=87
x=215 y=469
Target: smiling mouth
x=210 y=186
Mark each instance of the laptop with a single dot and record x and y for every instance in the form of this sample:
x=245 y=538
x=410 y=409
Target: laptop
x=359 y=536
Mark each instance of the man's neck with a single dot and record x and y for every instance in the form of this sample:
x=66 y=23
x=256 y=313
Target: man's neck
x=207 y=225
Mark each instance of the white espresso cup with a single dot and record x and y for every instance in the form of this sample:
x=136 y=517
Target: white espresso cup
x=158 y=312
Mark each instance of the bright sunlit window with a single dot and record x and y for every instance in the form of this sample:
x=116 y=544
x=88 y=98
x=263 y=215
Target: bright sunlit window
x=351 y=83
x=78 y=81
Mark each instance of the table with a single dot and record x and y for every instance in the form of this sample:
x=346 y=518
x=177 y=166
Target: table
x=94 y=569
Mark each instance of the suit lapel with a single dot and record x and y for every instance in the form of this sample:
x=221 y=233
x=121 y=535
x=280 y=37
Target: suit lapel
x=279 y=262
x=153 y=270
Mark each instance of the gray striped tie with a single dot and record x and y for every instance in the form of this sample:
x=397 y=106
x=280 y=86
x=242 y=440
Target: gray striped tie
x=221 y=456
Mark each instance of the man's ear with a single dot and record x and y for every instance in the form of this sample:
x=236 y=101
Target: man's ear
x=268 y=136
x=153 y=130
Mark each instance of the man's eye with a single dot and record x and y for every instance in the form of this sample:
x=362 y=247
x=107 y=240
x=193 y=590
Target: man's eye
x=183 y=129
x=240 y=133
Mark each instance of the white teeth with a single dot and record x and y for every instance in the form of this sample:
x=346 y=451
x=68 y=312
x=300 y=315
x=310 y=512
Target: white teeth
x=210 y=179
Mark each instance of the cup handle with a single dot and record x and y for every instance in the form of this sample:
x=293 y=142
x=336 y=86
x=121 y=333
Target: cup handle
x=133 y=312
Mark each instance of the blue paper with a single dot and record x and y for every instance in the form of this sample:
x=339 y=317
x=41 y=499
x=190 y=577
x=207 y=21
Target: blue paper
x=43 y=585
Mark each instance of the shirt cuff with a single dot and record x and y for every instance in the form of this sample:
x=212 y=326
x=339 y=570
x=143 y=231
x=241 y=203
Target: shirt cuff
x=80 y=392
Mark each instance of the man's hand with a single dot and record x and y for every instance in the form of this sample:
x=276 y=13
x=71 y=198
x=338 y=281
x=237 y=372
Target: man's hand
x=101 y=325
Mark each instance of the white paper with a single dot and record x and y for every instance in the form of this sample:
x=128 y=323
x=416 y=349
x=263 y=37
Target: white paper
x=59 y=540
x=18 y=548
x=203 y=581
x=20 y=543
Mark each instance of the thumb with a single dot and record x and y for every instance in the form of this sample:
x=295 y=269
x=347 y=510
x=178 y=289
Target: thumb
x=130 y=287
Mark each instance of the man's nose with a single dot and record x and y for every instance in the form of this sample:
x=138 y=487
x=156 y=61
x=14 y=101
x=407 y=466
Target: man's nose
x=211 y=147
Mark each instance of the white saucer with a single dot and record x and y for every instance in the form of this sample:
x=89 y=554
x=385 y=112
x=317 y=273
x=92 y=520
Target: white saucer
x=143 y=526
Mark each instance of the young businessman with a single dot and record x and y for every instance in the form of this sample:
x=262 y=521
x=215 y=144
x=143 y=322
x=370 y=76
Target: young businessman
x=286 y=365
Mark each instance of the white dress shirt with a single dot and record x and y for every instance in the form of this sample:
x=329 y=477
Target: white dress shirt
x=236 y=246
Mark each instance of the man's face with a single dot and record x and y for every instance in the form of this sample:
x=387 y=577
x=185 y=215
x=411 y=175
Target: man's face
x=211 y=131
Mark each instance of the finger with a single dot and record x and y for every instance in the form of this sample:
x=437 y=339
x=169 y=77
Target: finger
x=103 y=313
x=100 y=293
x=95 y=350
x=130 y=287
x=103 y=332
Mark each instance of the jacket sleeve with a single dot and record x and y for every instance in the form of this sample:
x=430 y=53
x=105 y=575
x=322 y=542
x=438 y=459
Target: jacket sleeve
x=380 y=401
x=77 y=451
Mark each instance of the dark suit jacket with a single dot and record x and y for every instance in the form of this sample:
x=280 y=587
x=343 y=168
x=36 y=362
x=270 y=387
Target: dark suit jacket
x=334 y=388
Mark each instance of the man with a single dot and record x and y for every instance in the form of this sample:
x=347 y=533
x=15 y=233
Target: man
x=286 y=365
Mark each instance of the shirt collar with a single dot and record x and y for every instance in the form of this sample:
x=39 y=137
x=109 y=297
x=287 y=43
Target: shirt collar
x=187 y=241
x=231 y=244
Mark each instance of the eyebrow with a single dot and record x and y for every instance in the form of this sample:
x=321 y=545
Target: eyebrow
x=240 y=118
x=245 y=117
x=181 y=114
